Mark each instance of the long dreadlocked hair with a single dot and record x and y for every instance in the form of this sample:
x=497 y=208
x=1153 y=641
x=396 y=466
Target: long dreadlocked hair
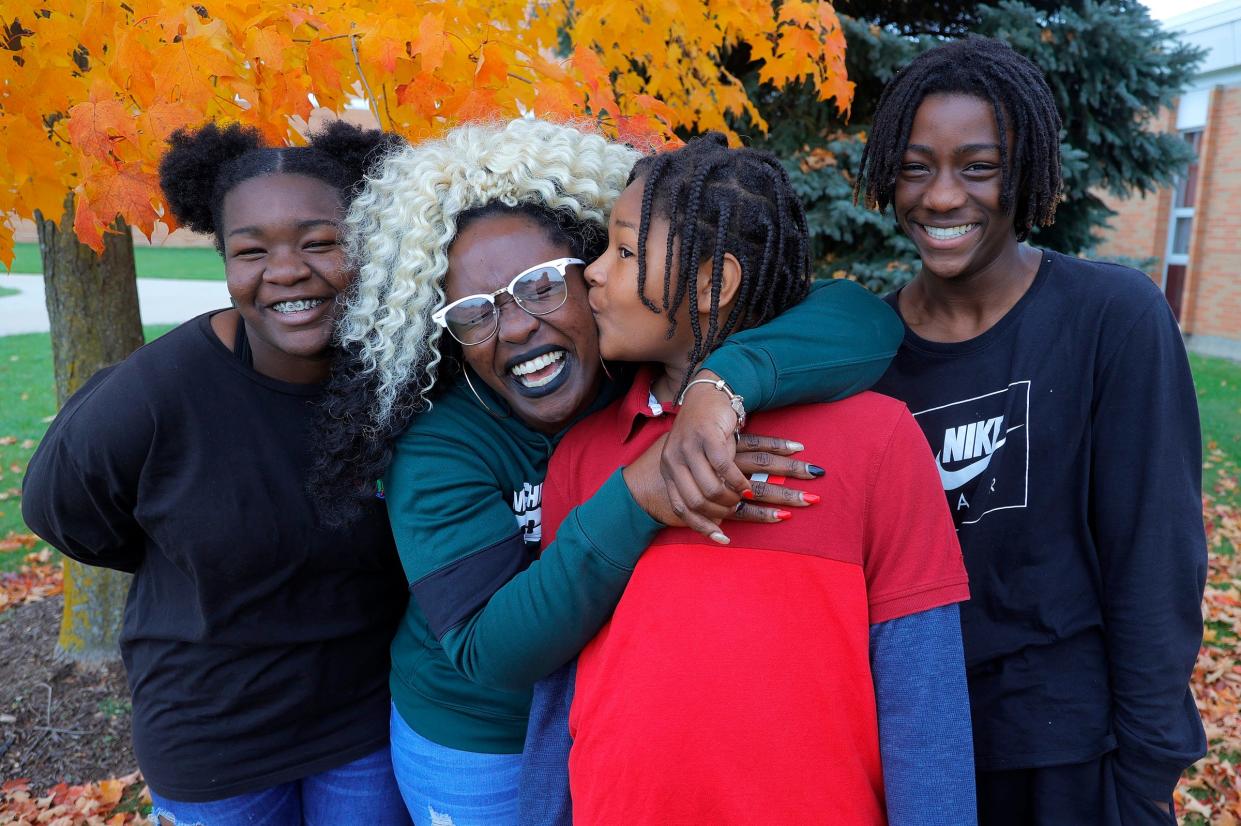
x=719 y=200
x=991 y=71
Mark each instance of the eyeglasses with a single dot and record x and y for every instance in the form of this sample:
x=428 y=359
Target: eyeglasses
x=539 y=290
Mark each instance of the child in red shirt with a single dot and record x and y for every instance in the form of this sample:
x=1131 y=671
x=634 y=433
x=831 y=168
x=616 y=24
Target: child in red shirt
x=811 y=672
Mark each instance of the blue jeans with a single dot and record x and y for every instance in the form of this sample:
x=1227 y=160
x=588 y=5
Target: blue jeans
x=363 y=791
x=447 y=787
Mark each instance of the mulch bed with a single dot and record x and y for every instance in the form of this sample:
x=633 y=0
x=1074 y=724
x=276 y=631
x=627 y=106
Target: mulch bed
x=58 y=722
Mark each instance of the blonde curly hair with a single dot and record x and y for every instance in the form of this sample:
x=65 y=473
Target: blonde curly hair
x=400 y=227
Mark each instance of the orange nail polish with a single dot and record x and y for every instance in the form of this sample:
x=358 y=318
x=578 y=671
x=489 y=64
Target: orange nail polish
x=810 y=498
x=782 y=515
x=747 y=494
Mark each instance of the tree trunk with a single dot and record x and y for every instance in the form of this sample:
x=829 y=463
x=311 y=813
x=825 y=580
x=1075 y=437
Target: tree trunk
x=92 y=303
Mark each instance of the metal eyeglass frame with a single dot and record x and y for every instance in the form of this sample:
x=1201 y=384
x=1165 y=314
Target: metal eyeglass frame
x=558 y=264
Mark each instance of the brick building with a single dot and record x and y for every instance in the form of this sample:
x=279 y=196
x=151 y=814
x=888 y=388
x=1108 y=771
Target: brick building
x=1193 y=230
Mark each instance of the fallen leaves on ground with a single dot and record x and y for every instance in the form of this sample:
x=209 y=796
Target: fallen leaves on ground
x=1209 y=793
x=38 y=577
x=1210 y=790
x=112 y=802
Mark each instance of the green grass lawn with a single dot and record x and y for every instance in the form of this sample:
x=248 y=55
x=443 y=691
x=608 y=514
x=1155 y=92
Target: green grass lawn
x=1219 y=403
x=29 y=400
x=195 y=263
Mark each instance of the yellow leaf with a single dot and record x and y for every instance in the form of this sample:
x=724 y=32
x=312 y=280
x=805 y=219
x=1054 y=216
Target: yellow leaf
x=799 y=12
x=162 y=119
x=110 y=792
x=150 y=66
x=268 y=45
x=321 y=64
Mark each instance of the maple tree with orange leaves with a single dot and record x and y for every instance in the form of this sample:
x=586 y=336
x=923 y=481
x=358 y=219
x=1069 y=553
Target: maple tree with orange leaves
x=91 y=91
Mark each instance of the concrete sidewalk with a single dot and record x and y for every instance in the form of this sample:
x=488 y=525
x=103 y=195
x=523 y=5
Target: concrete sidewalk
x=161 y=301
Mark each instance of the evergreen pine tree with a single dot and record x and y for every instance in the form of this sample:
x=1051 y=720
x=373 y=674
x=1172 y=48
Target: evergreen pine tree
x=1110 y=66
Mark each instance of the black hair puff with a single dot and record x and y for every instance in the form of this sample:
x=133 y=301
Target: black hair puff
x=203 y=166
x=192 y=164
x=359 y=150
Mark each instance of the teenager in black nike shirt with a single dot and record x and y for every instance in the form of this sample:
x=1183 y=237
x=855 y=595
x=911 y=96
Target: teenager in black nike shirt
x=1057 y=397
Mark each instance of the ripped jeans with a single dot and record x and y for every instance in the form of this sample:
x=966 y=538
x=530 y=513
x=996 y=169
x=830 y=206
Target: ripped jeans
x=448 y=787
x=363 y=791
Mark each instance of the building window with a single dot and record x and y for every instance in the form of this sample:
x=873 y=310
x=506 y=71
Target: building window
x=1181 y=230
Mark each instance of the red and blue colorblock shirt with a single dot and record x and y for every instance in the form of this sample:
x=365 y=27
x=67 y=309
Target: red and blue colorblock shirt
x=733 y=683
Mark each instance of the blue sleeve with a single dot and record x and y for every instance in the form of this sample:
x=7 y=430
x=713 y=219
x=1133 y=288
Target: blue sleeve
x=837 y=342
x=543 y=793
x=925 y=739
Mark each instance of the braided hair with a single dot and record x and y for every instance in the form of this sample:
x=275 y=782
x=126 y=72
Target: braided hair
x=991 y=71
x=202 y=166
x=719 y=200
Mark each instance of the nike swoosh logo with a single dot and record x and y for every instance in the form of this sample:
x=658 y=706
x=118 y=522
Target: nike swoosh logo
x=954 y=479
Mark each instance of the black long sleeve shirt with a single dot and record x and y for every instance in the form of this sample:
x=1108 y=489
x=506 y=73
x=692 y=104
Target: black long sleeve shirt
x=256 y=642
x=1068 y=445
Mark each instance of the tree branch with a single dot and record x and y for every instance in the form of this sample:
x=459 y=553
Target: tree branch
x=370 y=96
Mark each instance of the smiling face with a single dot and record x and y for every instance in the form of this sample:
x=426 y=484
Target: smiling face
x=546 y=367
x=284 y=267
x=628 y=329
x=947 y=194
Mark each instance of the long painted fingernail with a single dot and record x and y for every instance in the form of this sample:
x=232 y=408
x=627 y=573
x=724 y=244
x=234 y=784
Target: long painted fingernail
x=810 y=498
x=796 y=446
x=747 y=494
x=782 y=515
x=720 y=538
x=815 y=470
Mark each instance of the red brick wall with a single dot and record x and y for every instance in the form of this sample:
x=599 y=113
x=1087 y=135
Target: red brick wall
x=1213 y=306
x=1212 y=299
x=1140 y=227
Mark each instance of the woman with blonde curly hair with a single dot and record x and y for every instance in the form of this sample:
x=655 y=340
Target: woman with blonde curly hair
x=446 y=237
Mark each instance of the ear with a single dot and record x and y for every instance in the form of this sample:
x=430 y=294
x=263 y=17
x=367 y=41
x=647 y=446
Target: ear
x=730 y=283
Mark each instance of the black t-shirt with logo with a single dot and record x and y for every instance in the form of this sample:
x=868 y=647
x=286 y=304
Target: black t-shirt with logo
x=1067 y=441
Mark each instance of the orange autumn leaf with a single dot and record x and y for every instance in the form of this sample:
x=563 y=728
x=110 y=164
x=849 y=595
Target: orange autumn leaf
x=268 y=45
x=98 y=87
x=126 y=191
x=162 y=119
x=430 y=43
x=87 y=225
x=87 y=804
x=492 y=66
x=389 y=52
x=110 y=792
x=38 y=577
x=322 y=61
x=94 y=127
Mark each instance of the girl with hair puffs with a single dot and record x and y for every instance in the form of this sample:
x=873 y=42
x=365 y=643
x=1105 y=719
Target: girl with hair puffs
x=483 y=235
x=811 y=673
x=255 y=639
